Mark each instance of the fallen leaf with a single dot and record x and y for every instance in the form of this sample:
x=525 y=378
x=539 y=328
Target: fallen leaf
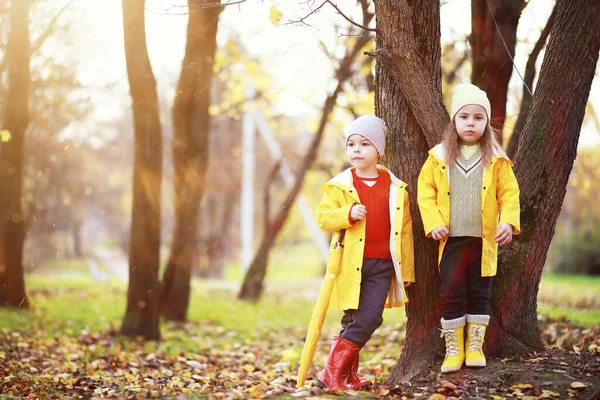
x=549 y=393
x=578 y=385
x=521 y=386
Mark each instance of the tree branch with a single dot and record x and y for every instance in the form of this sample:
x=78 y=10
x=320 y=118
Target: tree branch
x=36 y=46
x=530 y=72
x=364 y=7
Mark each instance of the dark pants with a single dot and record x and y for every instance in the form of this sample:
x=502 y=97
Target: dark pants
x=376 y=278
x=462 y=288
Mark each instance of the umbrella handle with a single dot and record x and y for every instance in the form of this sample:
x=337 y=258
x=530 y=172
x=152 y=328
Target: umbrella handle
x=340 y=241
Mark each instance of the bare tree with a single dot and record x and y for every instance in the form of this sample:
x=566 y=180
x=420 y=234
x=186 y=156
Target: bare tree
x=493 y=41
x=191 y=122
x=16 y=119
x=253 y=281
x=142 y=314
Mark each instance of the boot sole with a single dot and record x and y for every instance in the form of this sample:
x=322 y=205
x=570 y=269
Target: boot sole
x=446 y=370
x=321 y=385
x=475 y=364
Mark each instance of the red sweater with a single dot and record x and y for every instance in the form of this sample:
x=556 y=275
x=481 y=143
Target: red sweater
x=376 y=200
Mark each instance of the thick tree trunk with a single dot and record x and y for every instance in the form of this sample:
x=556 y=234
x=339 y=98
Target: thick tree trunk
x=253 y=281
x=410 y=35
x=16 y=119
x=550 y=138
x=191 y=122
x=493 y=40
x=142 y=315
x=530 y=71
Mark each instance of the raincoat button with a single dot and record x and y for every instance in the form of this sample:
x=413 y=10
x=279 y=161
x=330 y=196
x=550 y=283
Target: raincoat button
x=443 y=167
x=396 y=233
x=358 y=269
x=484 y=188
x=360 y=240
x=448 y=193
x=397 y=208
x=350 y=191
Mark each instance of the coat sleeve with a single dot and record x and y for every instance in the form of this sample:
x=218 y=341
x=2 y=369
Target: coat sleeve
x=507 y=190
x=427 y=198
x=331 y=215
x=408 y=248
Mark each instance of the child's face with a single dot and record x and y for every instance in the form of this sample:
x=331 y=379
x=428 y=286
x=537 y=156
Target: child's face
x=470 y=121
x=361 y=152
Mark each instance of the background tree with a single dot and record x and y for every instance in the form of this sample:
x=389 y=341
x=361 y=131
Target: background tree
x=16 y=118
x=142 y=314
x=493 y=40
x=253 y=280
x=191 y=122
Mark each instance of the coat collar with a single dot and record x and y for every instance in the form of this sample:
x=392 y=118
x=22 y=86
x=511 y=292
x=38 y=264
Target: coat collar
x=344 y=179
x=438 y=152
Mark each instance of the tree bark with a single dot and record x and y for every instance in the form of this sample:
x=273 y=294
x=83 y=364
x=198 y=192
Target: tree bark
x=253 y=281
x=416 y=117
x=142 y=314
x=550 y=138
x=16 y=120
x=530 y=71
x=191 y=123
x=493 y=40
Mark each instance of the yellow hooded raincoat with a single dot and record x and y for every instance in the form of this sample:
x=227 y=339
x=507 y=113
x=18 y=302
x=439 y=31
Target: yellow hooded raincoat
x=332 y=216
x=499 y=199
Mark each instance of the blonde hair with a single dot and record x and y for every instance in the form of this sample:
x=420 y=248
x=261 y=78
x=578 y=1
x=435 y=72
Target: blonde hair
x=487 y=143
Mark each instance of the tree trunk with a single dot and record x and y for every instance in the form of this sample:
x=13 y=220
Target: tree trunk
x=550 y=138
x=16 y=119
x=142 y=315
x=253 y=281
x=410 y=34
x=493 y=40
x=530 y=71
x=191 y=123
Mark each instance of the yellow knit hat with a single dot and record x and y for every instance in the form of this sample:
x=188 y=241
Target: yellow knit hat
x=465 y=94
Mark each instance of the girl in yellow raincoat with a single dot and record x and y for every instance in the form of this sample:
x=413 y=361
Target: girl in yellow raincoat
x=469 y=200
x=377 y=261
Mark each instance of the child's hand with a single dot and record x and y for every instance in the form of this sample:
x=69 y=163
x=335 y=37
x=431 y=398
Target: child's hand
x=505 y=233
x=439 y=233
x=358 y=212
x=407 y=284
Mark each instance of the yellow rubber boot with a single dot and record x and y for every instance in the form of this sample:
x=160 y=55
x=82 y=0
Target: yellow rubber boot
x=454 y=333
x=475 y=336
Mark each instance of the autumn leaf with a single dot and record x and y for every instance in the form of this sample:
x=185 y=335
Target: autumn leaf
x=5 y=136
x=275 y=15
x=578 y=385
x=549 y=393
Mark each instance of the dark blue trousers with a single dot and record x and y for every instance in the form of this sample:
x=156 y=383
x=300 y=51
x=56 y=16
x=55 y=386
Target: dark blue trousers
x=376 y=278
x=462 y=288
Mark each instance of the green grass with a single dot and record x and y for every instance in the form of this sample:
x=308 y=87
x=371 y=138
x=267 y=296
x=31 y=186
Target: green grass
x=67 y=265
x=71 y=305
x=575 y=297
x=286 y=263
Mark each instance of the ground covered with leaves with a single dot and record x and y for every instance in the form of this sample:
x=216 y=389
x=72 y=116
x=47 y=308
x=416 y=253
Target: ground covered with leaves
x=68 y=346
x=105 y=365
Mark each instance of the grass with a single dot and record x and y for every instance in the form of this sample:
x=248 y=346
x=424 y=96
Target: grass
x=75 y=304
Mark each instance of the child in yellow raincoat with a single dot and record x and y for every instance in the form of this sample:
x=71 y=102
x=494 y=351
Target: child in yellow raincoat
x=377 y=260
x=469 y=200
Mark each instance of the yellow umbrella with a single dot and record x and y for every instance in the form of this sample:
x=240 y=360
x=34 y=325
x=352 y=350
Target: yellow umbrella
x=320 y=310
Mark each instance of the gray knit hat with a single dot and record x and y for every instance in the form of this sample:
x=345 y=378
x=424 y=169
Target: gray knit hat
x=372 y=128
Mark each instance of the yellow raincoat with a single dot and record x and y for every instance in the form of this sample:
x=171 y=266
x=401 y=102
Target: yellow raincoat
x=499 y=199
x=332 y=216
